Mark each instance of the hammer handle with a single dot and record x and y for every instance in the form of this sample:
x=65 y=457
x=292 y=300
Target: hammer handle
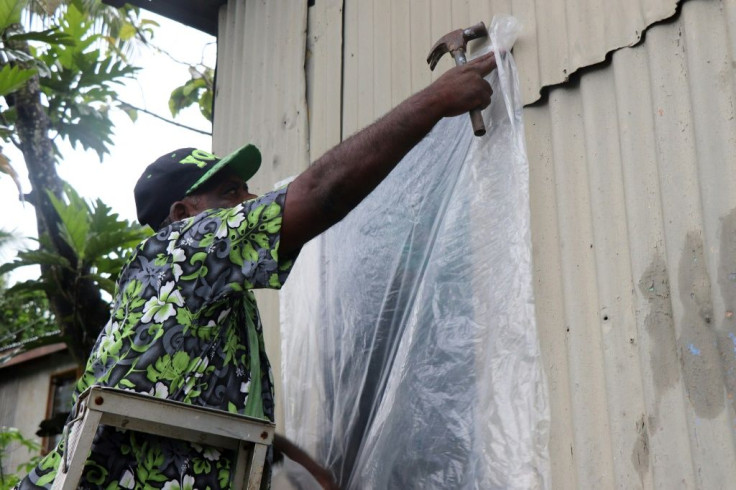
x=476 y=118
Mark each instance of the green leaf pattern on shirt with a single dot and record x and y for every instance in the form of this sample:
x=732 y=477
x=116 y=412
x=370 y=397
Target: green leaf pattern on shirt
x=179 y=329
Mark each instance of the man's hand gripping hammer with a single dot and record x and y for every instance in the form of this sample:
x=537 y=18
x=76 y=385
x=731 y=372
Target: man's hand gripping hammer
x=455 y=43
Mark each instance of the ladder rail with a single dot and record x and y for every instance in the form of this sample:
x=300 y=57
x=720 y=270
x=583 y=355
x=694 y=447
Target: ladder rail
x=171 y=419
x=82 y=435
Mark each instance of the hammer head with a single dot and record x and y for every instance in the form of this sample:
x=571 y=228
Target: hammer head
x=452 y=41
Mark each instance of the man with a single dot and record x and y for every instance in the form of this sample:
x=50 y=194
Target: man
x=184 y=322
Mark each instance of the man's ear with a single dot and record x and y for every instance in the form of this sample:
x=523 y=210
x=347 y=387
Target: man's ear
x=180 y=210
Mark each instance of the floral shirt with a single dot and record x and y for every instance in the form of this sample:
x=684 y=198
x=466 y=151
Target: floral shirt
x=185 y=326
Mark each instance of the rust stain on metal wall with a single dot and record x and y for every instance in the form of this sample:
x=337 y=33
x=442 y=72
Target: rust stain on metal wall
x=698 y=340
x=640 y=454
x=655 y=286
x=727 y=284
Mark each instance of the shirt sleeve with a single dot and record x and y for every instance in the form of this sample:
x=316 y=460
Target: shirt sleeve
x=229 y=250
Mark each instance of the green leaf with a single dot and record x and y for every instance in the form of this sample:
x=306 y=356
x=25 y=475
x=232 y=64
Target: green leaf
x=26 y=288
x=104 y=238
x=92 y=132
x=10 y=11
x=205 y=105
x=127 y=31
x=130 y=111
x=49 y=36
x=193 y=86
x=149 y=22
x=106 y=284
x=35 y=257
x=13 y=77
x=74 y=221
x=189 y=94
x=109 y=265
x=14 y=55
x=177 y=101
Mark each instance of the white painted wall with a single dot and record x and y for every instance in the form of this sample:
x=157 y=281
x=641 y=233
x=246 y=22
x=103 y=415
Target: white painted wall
x=24 y=392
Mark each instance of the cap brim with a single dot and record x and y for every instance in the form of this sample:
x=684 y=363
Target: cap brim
x=244 y=161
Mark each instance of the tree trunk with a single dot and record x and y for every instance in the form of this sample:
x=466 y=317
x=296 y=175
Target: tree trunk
x=76 y=302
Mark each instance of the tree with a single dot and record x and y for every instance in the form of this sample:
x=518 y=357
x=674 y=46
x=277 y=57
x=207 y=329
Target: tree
x=58 y=69
x=24 y=317
x=199 y=90
x=6 y=238
x=99 y=241
x=9 y=437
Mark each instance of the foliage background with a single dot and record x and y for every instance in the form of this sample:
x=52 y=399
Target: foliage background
x=135 y=143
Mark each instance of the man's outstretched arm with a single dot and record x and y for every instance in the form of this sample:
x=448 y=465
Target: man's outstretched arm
x=337 y=182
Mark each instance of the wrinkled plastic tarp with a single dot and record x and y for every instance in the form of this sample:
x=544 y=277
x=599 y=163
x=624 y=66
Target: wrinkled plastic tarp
x=409 y=345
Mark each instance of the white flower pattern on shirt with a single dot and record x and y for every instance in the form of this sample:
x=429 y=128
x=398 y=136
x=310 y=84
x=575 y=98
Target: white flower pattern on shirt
x=185 y=326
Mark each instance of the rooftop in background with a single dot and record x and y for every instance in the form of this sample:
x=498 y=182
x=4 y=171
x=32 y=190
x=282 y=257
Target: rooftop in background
x=199 y=14
x=16 y=354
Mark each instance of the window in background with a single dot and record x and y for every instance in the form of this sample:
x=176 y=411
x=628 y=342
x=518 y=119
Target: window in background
x=60 y=404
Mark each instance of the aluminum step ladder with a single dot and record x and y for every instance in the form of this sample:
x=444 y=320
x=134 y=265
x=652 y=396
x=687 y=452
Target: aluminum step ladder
x=134 y=411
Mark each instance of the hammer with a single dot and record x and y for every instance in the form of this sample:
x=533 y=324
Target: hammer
x=455 y=42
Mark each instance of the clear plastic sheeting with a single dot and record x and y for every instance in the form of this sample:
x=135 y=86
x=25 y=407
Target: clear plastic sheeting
x=409 y=344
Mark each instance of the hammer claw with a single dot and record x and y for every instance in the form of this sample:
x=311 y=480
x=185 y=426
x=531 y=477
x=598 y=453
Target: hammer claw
x=455 y=43
x=438 y=50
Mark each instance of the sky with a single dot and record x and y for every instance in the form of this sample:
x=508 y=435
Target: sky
x=135 y=144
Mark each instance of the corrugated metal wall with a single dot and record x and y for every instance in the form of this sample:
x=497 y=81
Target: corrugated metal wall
x=393 y=38
x=261 y=99
x=633 y=203
x=261 y=85
x=634 y=232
